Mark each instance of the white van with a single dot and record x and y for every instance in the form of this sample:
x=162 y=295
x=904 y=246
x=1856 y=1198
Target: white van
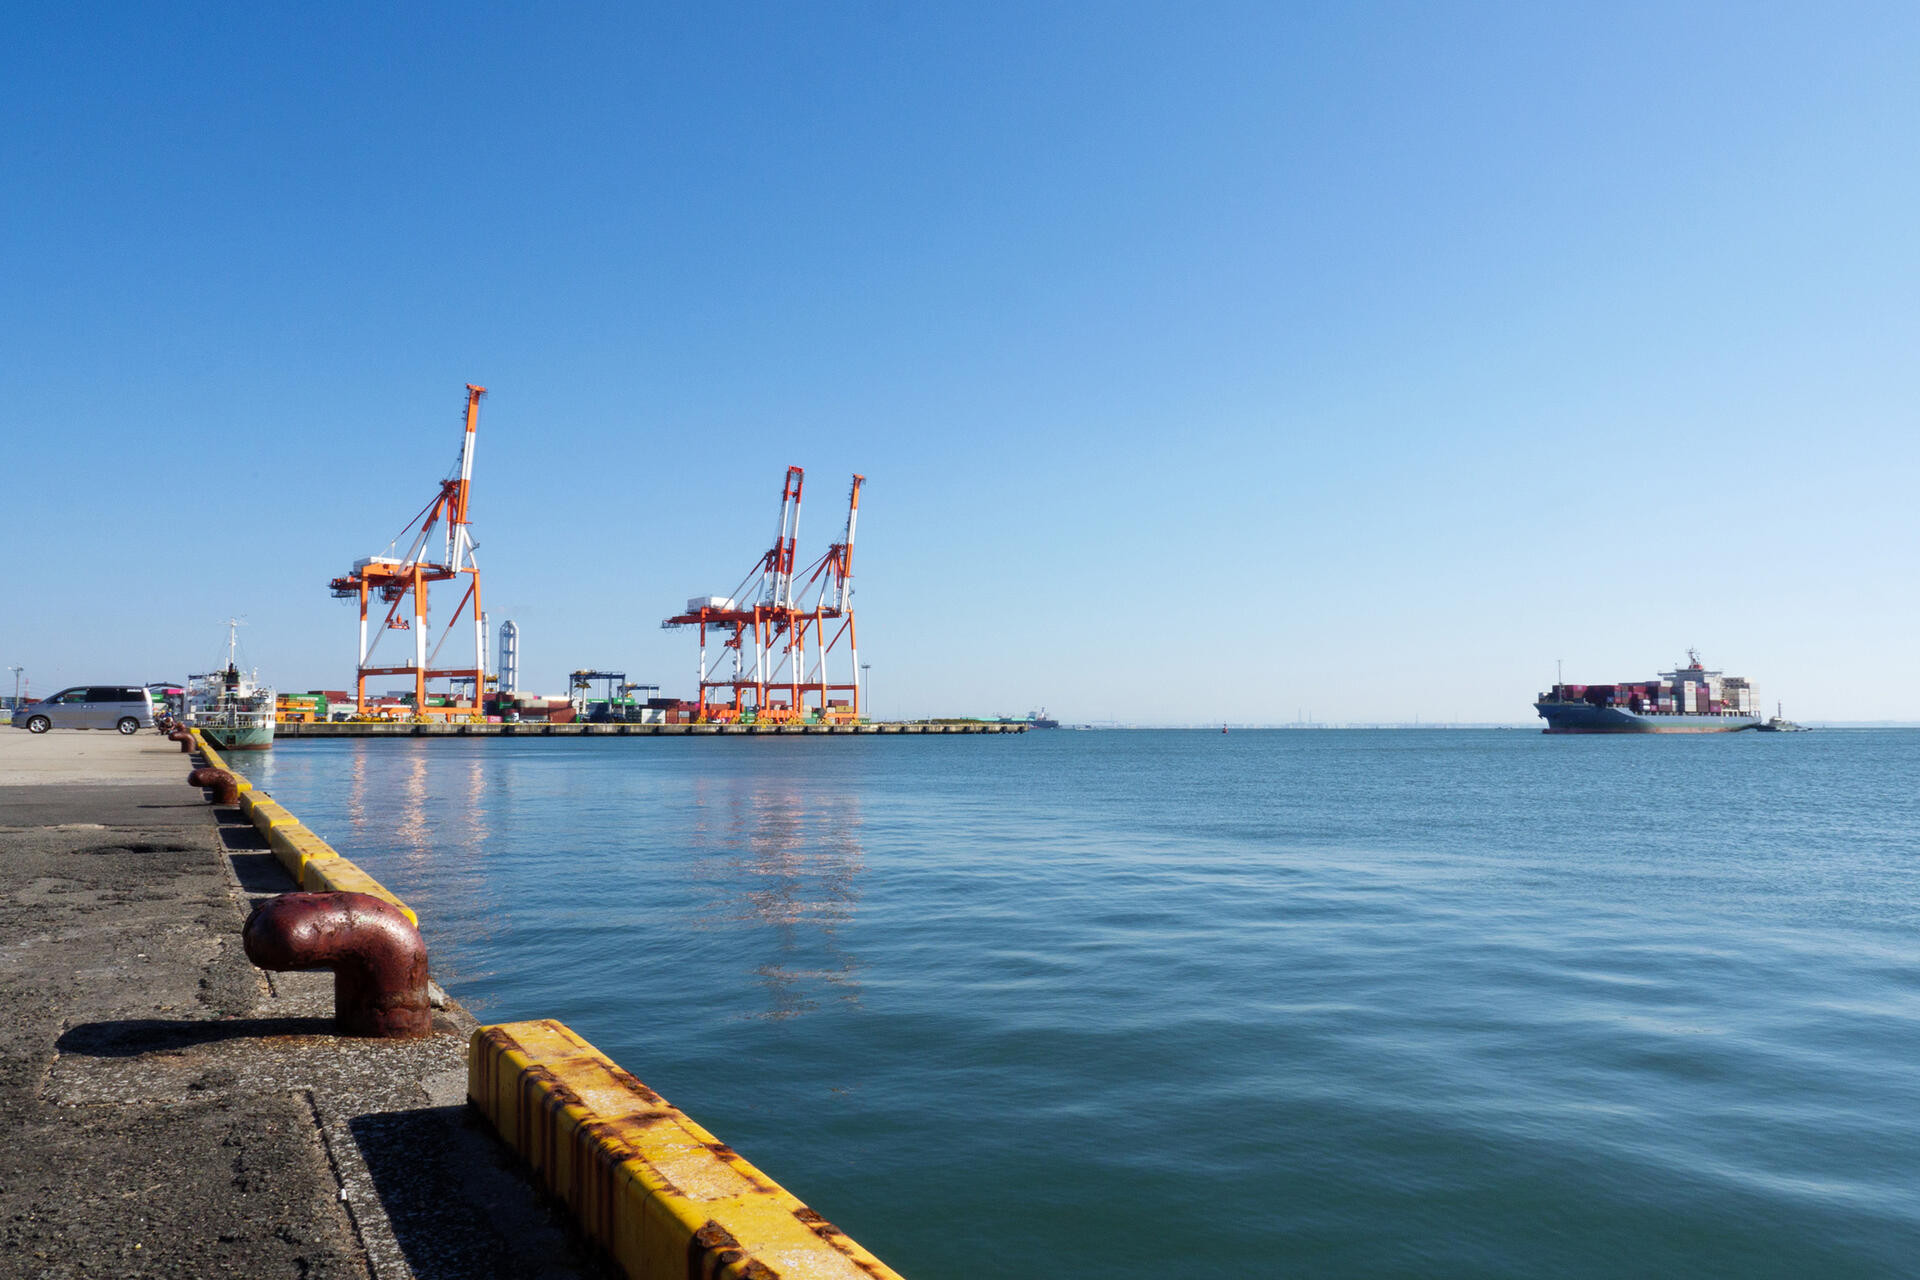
x=125 y=707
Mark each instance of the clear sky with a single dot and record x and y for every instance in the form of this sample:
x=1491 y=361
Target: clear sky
x=1206 y=361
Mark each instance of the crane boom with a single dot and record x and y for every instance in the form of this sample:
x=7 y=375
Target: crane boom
x=776 y=579
x=457 y=513
x=846 y=547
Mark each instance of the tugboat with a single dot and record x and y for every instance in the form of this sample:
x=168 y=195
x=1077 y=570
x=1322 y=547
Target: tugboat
x=229 y=707
x=1779 y=724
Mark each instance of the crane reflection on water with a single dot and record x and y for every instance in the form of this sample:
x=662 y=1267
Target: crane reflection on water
x=560 y=858
x=780 y=865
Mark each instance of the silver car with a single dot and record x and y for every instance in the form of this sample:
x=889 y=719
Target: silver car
x=125 y=707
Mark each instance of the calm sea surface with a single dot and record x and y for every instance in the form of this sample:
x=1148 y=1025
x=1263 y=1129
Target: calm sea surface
x=1167 y=1004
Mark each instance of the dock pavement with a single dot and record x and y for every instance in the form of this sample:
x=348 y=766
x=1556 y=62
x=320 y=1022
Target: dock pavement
x=167 y=1109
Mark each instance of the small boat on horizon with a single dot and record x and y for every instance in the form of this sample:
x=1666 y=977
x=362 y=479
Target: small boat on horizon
x=1780 y=724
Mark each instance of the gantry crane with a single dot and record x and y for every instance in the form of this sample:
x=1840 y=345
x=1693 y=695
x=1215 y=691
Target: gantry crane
x=396 y=577
x=621 y=702
x=580 y=690
x=775 y=627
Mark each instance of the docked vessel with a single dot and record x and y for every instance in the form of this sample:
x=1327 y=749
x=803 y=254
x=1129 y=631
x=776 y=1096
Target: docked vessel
x=1688 y=700
x=232 y=710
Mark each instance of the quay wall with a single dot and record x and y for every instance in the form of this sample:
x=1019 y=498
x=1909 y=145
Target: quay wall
x=658 y=1193
x=313 y=863
x=466 y=729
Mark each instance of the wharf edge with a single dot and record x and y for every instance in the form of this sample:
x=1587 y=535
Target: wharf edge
x=660 y=1195
x=227 y=1130
x=456 y=729
x=172 y=1110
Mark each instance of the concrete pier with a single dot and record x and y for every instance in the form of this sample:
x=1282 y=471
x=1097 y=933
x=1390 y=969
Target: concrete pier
x=170 y=1110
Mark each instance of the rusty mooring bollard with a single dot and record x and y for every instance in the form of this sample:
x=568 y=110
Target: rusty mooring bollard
x=184 y=738
x=225 y=787
x=379 y=962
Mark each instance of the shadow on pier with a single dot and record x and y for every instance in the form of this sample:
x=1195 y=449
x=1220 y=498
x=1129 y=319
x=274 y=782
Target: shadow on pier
x=131 y=1037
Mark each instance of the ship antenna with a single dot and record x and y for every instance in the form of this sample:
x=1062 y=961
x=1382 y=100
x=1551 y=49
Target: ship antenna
x=233 y=640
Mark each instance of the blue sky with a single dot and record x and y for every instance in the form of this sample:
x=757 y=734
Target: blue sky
x=1206 y=361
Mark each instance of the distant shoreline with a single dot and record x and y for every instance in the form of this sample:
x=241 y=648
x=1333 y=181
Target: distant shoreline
x=1216 y=726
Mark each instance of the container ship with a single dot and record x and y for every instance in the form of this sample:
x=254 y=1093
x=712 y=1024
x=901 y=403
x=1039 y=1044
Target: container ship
x=1689 y=700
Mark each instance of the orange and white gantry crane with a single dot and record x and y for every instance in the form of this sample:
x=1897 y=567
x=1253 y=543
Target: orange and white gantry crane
x=776 y=628
x=395 y=578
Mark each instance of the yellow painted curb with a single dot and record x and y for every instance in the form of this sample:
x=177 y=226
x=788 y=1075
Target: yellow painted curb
x=339 y=875
x=265 y=813
x=315 y=865
x=217 y=761
x=295 y=847
x=663 y=1196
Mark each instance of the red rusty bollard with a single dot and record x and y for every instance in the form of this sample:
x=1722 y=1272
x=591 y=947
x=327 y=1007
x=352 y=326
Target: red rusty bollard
x=184 y=738
x=225 y=787
x=379 y=962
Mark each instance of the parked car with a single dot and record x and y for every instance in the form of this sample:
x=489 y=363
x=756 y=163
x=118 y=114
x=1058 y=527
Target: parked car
x=125 y=707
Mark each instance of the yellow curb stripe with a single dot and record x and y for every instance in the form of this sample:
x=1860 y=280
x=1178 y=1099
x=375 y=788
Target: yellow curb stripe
x=265 y=813
x=663 y=1196
x=315 y=865
x=217 y=761
x=295 y=846
x=338 y=875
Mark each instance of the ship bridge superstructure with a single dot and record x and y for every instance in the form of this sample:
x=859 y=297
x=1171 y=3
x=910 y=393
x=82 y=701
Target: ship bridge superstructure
x=1695 y=689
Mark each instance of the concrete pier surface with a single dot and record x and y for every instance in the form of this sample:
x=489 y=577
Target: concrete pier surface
x=168 y=1109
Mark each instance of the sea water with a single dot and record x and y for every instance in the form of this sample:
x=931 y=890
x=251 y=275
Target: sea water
x=1158 y=1004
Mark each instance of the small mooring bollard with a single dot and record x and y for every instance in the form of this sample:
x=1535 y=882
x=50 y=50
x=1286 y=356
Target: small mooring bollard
x=225 y=787
x=378 y=960
x=184 y=737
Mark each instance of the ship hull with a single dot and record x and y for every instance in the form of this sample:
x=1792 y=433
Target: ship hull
x=237 y=737
x=1580 y=717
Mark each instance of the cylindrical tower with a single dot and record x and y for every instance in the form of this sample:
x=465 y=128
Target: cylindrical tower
x=509 y=657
